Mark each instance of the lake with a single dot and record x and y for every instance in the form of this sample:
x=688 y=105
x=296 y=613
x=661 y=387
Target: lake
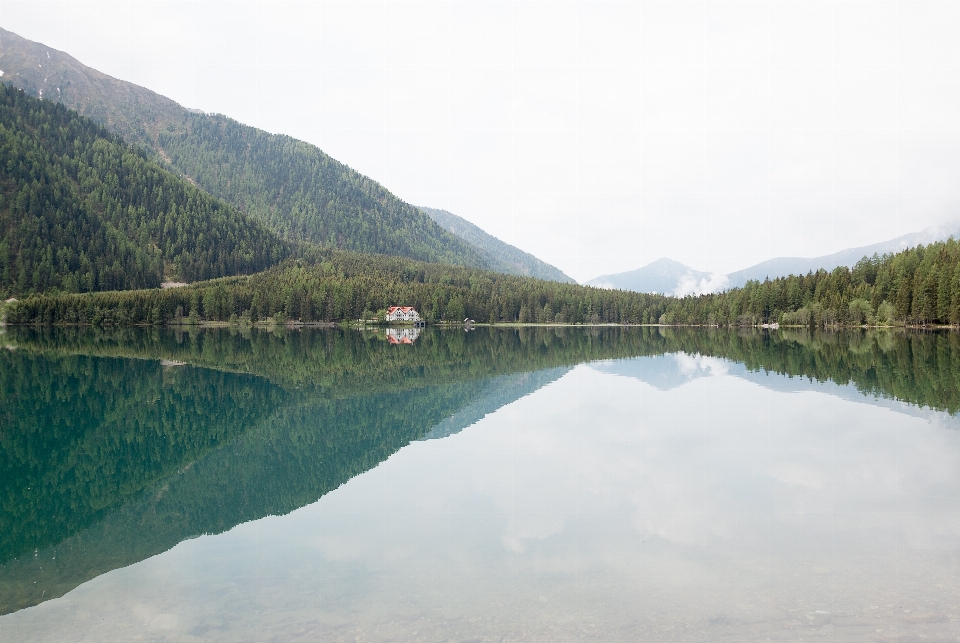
x=532 y=484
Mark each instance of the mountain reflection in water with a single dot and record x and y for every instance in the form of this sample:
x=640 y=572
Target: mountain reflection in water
x=676 y=496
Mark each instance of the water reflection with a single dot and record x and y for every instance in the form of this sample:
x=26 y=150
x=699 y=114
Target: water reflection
x=114 y=455
x=673 y=496
x=402 y=335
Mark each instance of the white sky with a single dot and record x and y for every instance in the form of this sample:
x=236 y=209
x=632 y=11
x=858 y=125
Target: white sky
x=598 y=136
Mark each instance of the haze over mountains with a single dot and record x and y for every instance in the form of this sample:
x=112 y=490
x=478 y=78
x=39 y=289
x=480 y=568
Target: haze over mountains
x=501 y=256
x=783 y=266
x=290 y=187
x=284 y=192
x=664 y=276
x=669 y=277
x=201 y=196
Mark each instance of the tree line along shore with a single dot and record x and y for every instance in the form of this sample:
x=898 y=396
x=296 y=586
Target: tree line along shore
x=916 y=287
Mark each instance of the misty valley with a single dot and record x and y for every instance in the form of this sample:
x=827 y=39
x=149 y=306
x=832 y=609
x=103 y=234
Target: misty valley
x=250 y=391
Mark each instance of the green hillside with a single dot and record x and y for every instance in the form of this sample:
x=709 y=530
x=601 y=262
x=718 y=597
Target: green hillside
x=290 y=186
x=501 y=256
x=303 y=194
x=81 y=211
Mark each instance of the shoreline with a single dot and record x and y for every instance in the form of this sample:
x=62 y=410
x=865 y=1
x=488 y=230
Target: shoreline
x=292 y=324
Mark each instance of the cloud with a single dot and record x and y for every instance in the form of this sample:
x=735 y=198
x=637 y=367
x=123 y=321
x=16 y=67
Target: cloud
x=690 y=285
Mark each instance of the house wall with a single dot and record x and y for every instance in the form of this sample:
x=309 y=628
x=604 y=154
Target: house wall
x=399 y=315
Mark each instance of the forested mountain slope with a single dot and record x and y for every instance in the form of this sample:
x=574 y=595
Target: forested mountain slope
x=303 y=194
x=81 y=211
x=290 y=186
x=501 y=256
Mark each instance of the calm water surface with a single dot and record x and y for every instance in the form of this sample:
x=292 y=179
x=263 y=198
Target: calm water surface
x=543 y=485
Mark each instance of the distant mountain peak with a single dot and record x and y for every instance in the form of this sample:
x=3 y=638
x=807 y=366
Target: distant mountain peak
x=664 y=276
x=669 y=277
x=783 y=266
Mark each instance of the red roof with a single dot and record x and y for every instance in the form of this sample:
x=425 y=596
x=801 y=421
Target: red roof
x=405 y=309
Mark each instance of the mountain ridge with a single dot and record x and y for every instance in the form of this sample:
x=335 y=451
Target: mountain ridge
x=669 y=277
x=290 y=186
x=663 y=276
x=501 y=256
x=783 y=266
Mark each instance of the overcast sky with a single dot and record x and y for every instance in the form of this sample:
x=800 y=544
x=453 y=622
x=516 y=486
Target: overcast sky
x=598 y=136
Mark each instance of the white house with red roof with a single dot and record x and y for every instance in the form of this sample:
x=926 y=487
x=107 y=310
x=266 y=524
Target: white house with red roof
x=402 y=313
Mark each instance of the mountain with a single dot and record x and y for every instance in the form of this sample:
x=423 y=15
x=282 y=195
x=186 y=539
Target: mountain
x=129 y=110
x=81 y=211
x=289 y=186
x=502 y=257
x=663 y=276
x=783 y=266
x=670 y=277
